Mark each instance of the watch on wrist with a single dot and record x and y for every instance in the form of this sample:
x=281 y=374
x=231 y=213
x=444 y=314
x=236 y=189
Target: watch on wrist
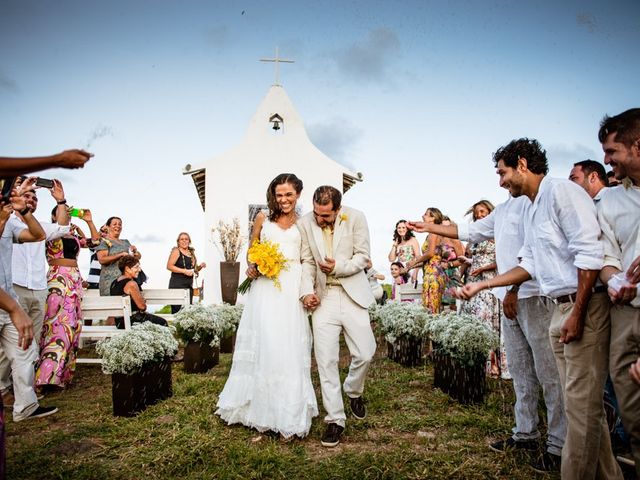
x=514 y=289
x=62 y=202
x=24 y=211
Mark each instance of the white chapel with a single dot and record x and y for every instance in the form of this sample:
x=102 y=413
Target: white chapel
x=276 y=142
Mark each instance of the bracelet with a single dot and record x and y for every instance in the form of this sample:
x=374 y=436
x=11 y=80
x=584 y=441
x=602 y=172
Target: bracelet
x=62 y=202
x=24 y=211
x=488 y=285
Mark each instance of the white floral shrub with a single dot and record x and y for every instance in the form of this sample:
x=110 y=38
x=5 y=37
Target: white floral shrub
x=127 y=352
x=464 y=337
x=396 y=319
x=207 y=323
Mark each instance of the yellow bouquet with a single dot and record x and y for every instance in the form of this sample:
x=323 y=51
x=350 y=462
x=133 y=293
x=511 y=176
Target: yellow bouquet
x=269 y=261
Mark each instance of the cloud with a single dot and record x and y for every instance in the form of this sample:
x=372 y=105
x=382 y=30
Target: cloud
x=569 y=154
x=148 y=238
x=588 y=21
x=336 y=138
x=369 y=60
x=7 y=83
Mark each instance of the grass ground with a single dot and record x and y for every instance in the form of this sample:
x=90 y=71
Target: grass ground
x=412 y=431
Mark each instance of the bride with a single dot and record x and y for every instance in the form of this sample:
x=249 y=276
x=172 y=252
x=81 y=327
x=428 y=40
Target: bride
x=269 y=387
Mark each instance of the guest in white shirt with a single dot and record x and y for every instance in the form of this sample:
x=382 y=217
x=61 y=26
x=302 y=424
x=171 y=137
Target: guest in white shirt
x=563 y=253
x=619 y=217
x=525 y=325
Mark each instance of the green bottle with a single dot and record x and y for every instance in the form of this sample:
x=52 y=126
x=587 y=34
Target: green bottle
x=76 y=212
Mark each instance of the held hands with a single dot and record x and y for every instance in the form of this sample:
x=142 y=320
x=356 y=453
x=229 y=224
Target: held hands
x=311 y=301
x=327 y=266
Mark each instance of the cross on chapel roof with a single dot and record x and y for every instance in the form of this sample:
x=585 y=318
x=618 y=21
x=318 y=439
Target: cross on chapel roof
x=277 y=60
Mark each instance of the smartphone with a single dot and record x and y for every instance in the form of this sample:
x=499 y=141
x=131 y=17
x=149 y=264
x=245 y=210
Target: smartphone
x=6 y=184
x=44 y=182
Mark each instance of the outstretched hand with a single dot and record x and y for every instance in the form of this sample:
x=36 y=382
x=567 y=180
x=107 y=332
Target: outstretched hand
x=420 y=227
x=73 y=158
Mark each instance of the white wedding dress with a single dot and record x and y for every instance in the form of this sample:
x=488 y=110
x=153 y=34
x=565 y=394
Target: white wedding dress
x=269 y=386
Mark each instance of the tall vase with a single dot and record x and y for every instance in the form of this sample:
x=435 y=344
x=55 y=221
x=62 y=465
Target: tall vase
x=199 y=357
x=229 y=279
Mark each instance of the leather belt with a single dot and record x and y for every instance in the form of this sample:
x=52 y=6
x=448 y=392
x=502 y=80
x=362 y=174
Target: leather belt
x=572 y=296
x=566 y=298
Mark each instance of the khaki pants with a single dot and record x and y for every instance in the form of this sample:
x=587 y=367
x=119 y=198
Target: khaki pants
x=337 y=313
x=625 y=350
x=583 y=369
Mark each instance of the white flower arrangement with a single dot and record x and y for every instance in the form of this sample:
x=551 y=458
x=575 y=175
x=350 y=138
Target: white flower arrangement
x=463 y=337
x=207 y=323
x=145 y=343
x=374 y=312
x=398 y=319
x=228 y=317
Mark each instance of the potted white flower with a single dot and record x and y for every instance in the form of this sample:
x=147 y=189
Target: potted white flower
x=402 y=324
x=461 y=347
x=201 y=327
x=229 y=318
x=139 y=362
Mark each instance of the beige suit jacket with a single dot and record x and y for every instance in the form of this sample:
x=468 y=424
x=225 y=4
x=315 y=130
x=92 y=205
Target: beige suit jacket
x=350 y=250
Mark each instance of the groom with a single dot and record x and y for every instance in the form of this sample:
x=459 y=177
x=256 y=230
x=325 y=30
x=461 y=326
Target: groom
x=335 y=252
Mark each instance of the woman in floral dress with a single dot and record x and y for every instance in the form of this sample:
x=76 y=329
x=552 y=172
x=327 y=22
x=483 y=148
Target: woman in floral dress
x=486 y=306
x=434 y=276
x=62 y=319
x=405 y=246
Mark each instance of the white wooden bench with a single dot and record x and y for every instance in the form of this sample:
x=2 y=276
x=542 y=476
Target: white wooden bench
x=98 y=309
x=408 y=293
x=167 y=296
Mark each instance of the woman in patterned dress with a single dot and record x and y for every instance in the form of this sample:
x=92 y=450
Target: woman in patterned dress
x=486 y=306
x=62 y=319
x=405 y=246
x=434 y=276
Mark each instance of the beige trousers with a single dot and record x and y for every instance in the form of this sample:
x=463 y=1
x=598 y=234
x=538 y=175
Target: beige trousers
x=625 y=350
x=337 y=313
x=583 y=366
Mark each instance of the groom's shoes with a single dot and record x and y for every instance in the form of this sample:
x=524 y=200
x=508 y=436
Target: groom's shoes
x=357 y=408
x=331 y=436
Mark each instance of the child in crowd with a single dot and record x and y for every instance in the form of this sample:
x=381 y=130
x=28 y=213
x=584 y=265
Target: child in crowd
x=399 y=278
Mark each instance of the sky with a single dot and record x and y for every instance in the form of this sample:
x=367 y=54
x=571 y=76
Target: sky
x=416 y=95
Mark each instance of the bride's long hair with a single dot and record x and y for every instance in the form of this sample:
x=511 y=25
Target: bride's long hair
x=274 y=208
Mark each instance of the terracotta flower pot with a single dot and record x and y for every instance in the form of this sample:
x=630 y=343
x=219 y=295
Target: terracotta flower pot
x=200 y=357
x=229 y=279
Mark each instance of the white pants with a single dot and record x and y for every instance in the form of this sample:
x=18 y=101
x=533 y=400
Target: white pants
x=33 y=302
x=338 y=313
x=22 y=368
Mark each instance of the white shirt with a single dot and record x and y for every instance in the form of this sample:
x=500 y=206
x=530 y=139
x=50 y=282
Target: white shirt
x=561 y=235
x=506 y=225
x=619 y=218
x=10 y=234
x=29 y=263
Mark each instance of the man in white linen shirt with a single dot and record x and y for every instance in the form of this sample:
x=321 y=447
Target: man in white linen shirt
x=563 y=253
x=525 y=325
x=619 y=217
x=28 y=265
